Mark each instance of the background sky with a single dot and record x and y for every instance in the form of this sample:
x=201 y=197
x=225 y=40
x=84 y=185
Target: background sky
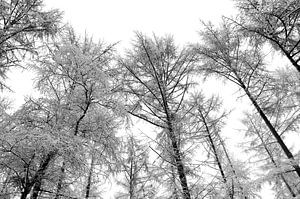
x=116 y=20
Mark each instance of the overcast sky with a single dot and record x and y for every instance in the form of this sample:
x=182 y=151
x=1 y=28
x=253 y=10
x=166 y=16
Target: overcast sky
x=116 y=20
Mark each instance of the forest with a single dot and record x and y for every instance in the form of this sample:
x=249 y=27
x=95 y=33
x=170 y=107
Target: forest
x=78 y=134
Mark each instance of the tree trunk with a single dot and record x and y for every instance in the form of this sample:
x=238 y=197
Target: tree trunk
x=37 y=179
x=273 y=161
x=36 y=189
x=89 y=182
x=232 y=168
x=281 y=143
x=25 y=192
x=213 y=147
x=131 y=180
x=178 y=161
x=175 y=147
x=175 y=192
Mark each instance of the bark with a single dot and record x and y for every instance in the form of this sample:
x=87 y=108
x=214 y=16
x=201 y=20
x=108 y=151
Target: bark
x=281 y=143
x=175 y=147
x=174 y=188
x=179 y=163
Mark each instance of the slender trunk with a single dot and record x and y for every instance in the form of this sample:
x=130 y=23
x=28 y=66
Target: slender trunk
x=175 y=148
x=294 y=62
x=274 y=163
x=131 y=179
x=232 y=168
x=89 y=182
x=37 y=180
x=281 y=143
x=60 y=181
x=213 y=147
x=179 y=164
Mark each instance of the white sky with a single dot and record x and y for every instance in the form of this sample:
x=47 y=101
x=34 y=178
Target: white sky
x=116 y=20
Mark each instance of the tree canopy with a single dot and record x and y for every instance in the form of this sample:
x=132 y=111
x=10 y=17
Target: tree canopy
x=142 y=121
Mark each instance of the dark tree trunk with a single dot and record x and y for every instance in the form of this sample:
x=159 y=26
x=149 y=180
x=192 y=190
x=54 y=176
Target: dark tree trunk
x=36 y=189
x=281 y=143
x=37 y=180
x=179 y=163
x=25 y=192
x=217 y=159
x=274 y=163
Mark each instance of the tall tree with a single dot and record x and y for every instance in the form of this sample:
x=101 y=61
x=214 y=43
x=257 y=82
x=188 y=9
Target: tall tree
x=229 y=54
x=157 y=79
x=77 y=77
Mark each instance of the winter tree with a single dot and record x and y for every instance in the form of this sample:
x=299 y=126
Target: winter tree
x=227 y=53
x=156 y=80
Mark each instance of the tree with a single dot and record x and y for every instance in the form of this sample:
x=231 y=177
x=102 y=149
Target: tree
x=23 y=153
x=275 y=21
x=266 y=150
x=77 y=77
x=138 y=181
x=229 y=54
x=207 y=120
x=157 y=79
x=21 y=23
x=52 y=134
